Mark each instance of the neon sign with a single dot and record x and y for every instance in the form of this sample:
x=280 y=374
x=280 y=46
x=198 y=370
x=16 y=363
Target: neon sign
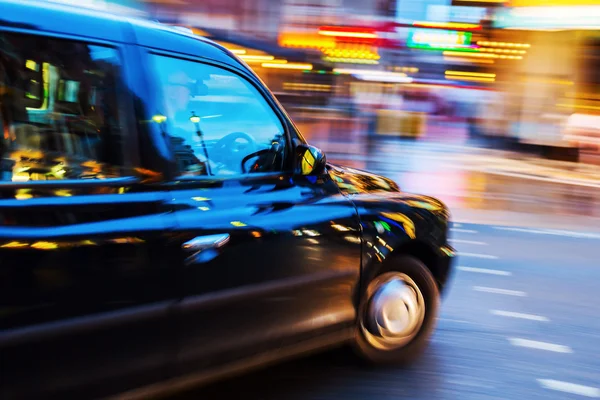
x=436 y=39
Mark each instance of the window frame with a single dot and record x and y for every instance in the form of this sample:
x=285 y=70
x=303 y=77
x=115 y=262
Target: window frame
x=262 y=91
x=130 y=151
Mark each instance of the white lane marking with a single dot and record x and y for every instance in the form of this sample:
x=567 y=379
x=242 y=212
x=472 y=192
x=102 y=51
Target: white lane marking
x=458 y=321
x=476 y=255
x=567 y=387
x=507 y=292
x=469 y=384
x=485 y=271
x=512 y=314
x=460 y=241
x=458 y=230
x=555 y=232
x=534 y=344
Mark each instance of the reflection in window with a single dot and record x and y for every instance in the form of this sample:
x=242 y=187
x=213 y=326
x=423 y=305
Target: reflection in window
x=219 y=124
x=58 y=111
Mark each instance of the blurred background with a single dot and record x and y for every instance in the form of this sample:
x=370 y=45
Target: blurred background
x=461 y=99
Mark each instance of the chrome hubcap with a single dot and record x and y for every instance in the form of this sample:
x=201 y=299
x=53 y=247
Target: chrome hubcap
x=395 y=311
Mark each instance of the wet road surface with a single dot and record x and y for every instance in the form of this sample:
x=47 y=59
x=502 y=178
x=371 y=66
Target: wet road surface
x=476 y=181
x=521 y=318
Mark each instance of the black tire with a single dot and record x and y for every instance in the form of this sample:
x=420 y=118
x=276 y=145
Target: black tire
x=410 y=351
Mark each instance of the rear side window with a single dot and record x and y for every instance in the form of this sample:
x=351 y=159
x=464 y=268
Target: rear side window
x=59 y=115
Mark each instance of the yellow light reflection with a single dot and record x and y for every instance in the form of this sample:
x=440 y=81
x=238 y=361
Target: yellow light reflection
x=505 y=51
x=384 y=243
x=252 y=57
x=20 y=178
x=238 y=51
x=23 y=196
x=13 y=245
x=469 y=78
x=467 y=73
x=504 y=44
x=550 y=81
x=298 y=66
x=481 y=55
x=314 y=87
x=45 y=245
x=63 y=193
x=424 y=204
x=32 y=65
x=365 y=52
x=256 y=234
x=580 y=106
x=308 y=162
x=200 y=198
x=448 y=251
x=406 y=69
x=310 y=232
x=407 y=224
x=340 y=228
x=159 y=118
x=200 y=32
x=238 y=223
x=203 y=208
x=278 y=61
x=352 y=239
x=306 y=40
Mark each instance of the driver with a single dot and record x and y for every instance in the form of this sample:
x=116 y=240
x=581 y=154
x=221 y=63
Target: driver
x=178 y=94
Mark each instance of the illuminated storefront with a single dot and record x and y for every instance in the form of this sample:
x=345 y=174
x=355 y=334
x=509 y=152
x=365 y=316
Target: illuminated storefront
x=554 y=82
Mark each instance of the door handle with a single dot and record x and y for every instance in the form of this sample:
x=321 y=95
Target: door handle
x=200 y=243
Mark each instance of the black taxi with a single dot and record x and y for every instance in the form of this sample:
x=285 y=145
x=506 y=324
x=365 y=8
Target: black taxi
x=163 y=222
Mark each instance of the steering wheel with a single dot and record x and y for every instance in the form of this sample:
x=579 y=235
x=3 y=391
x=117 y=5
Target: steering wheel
x=228 y=152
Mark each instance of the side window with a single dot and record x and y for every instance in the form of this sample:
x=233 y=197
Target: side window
x=218 y=123
x=58 y=109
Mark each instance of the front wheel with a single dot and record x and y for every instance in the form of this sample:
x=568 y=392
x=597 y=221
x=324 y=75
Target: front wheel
x=397 y=313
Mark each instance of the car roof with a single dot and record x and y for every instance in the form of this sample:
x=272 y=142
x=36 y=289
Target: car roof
x=66 y=19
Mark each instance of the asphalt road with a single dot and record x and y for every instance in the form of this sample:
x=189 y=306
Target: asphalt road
x=521 y=321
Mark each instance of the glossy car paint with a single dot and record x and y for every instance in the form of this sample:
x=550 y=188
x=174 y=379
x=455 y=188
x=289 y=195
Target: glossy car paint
x=394 y=222
x=85 y=288
x=97 y=291
x=288 y=273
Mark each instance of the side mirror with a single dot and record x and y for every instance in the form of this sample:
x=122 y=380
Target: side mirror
x=309 y=160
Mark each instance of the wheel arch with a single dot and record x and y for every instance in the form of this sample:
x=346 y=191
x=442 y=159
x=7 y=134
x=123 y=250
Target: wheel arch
x=430 y=257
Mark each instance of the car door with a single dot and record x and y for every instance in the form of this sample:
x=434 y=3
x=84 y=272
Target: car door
x=268 y=259
x=85 y=278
